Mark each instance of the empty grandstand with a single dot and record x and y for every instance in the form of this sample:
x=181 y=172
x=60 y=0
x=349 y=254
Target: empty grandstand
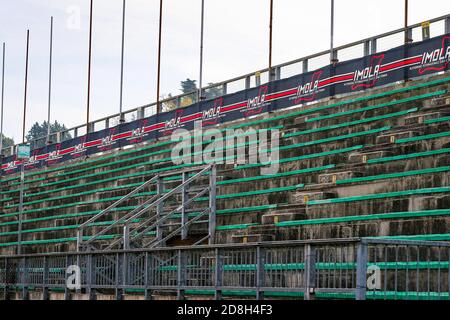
x=359 y=207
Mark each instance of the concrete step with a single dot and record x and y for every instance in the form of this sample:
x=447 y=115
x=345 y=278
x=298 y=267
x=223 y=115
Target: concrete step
x=327 y=178
x=303 y=197
x=436 y=103
x=392 y=137
x=362 y=157
x=421 y=118
x=253 y=238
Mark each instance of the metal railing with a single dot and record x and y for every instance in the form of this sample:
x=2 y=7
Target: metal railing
x=152 y=214
x=364 y=47
x=328 y=269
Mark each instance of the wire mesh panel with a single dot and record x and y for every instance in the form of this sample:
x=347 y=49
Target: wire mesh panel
x=408 y=272
x=34 y=271
x=104 y=270
x=336 y=267
x=136 y=269
x=285 y=267
x=163 y=268
x=239 y=268
x=200 y=271
x=57 y=267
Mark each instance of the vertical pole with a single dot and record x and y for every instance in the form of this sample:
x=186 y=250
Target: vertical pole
x=181 y=276
x=50 y=81
x=218 y=275
x=361 y=271
x=333 y=56
x=200 y=90
x=212 y=204
x=408 y=31
x=122 y=62
x=88 y=105
x=2 y=98
x=26 y=86
x=184 y=214
x=310 y=272
x=260 y=276
x=19 y=231
x=270 y=40
x=158 y=80
x=159 y=208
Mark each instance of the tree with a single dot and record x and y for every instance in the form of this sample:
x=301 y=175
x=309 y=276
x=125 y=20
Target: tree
x=188 y=86
x=213 y=92
x=7 y=142
x=39 y=131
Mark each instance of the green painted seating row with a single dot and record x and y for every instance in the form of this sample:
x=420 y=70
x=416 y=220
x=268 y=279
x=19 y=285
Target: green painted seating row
x=352 y=123
x=381 y=196
x=379 y=106
x=410 y=156
x=394 y=175
x=370 y=217
x=424 y=137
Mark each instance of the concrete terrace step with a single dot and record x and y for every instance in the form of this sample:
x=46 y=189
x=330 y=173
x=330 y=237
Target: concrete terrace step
x=391 y=137
x=303 y=197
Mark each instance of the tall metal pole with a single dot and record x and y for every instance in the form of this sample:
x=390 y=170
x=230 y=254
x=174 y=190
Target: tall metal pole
x=3 y=97
x=50 y=82
x=158 y=84
x=270 y=40
x=122 y=62
x=407 y=37
x=26 y=87
x=89 y=69
x=200 y=89
x=333 y=57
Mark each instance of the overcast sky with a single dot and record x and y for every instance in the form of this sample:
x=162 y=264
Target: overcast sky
x=236 y=42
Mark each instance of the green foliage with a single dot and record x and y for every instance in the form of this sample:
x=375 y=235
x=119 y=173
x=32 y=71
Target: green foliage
x=39 y=131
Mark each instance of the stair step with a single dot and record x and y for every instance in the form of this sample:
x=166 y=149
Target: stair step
x=305 y=197
x=272 y=218
x=392 y=137
x=421 y=118
x=436 y=103
x=343 y=175
x=252 y=238
x=363 y=157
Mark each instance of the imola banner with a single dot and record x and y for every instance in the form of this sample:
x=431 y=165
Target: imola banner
x=410 y=61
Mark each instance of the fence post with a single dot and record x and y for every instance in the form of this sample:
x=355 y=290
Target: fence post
x=218 y=277
x=373 y=46
x=24 y=279
x=447 y=25
x=361 y=271
x=310 y=272
x=224 y=89
x=90 y=276
x=147 y=277
x=159 y=209
x=181 y=275
x=367 y=48
x=212 y=204
x=66 y=289
x=45 y=294
x=247 y=82
x=5 y=280
x=260 y=274
x=305 y=66
x=119 y=291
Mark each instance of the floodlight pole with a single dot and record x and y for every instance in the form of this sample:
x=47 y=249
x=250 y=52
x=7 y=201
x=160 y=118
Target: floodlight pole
x=2 y=100
x=89 y=69
x=122 y=119
x=333 y=55
x=50 y=83
x=270 y=40
x=26 y=87
x=407 y=33
x=158 y=80
x=200 y=89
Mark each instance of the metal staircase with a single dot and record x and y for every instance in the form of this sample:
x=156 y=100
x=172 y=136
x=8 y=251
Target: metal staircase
x=147 y=225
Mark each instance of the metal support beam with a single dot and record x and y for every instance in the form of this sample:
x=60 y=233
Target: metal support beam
x=305 y=66
x=361 y=271
x=184 y=214
x=212 y=204
x=218 y=276
x=260 y=275
x=45 y=289
x=310 y=272
x=159 y=208
x=447 y=25
x=181 y=275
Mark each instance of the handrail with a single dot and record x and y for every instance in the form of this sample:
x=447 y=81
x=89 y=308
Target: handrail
x=157 y=202
x=224 y=84
x=104 y=212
